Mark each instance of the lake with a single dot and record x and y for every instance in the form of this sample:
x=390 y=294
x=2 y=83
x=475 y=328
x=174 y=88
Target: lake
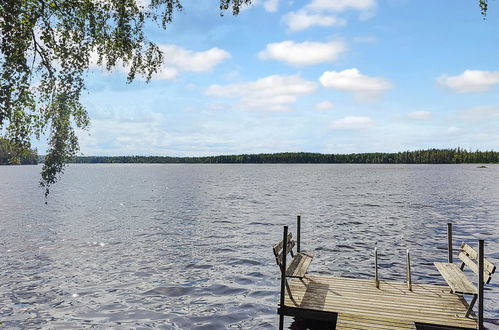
x=177 y=246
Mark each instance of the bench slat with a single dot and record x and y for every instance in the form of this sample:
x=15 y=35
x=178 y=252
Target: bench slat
x=299 y=265
x=278 y=246
x=291 y=245
x=455 y=278
x=473 y=254
x=474 y=267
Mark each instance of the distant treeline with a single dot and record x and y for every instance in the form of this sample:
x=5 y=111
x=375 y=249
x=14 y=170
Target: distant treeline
x=11 y=154
x=430 y=156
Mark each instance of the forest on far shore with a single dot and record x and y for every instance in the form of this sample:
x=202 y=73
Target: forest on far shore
x=429 y=156
x=12 y=156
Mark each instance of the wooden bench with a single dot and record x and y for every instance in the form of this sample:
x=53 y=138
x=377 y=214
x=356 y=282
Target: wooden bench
x=297 y=268
x=300 y=261
x=456 y=278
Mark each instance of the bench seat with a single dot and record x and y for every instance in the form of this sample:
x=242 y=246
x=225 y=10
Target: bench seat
x=298 y=267
x=300 y=262
x=455 y=278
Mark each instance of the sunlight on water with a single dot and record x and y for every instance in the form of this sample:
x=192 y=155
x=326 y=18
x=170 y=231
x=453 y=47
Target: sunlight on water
x=189 y=246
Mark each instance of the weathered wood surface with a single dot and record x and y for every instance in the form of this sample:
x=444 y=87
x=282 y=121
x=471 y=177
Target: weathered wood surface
x=455 y=278
x=289 y=248
x=300 y=262
x=430 y=304
x=278 y=246
x=474 y=267
x=299 y=265
x=473 y=254
x=348 y=321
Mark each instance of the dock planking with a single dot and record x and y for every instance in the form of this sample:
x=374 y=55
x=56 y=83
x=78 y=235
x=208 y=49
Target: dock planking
x=353 y=303
x=359 y=304
x=347 y=321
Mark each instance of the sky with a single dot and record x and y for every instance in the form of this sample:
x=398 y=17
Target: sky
x=329 y=76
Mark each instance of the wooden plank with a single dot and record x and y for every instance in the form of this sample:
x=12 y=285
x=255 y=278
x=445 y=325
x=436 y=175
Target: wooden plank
x=388 y=287
x=399 y=300
x=371 y=302
x=375 y=306
x=278 y=246
x=389 y=312
x=317 y=291
x=473 y=254
x=455 y=278
x=363 y=322
x=474 y=267
x=429 y=304
x=378 y=320
x=289 y=247
x=299 y=265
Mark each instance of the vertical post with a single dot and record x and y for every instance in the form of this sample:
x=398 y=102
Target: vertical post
x=283 y=276
x=480 y=283
x=449 y=241
x=409 y=280
x=298 y=233
x=376 y=278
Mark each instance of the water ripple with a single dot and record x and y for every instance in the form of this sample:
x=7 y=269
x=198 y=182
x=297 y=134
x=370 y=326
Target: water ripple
x=189 y=246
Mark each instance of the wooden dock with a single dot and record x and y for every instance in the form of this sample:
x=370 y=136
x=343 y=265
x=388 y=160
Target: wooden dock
x=353 y=303
x=358 y=304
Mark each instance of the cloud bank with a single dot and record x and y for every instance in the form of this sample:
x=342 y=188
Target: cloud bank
x=273 y=93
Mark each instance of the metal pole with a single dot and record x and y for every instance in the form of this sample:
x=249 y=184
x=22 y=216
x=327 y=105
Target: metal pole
x=298 y=233
x=480 y=283
x=409 y=280
x=283 y=276
x=376 y=278
x=449 y=240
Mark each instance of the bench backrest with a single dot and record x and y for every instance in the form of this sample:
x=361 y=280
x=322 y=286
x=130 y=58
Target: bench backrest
x=469 y=257
x=278 y=249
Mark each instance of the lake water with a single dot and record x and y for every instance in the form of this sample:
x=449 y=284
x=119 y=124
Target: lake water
x=190 y=246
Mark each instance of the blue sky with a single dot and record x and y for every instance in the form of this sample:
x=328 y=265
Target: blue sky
x=331 y=76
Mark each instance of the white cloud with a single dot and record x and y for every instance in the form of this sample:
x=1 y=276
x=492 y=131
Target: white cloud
x=165 y=73
x=272 y=93
x=326 y=13
x=178 y=59
x=351 y=80
x=419 y=115
x=304 y=19
x=483 y=113
x=352 y=123
x=187 y=60
x=324 y=105
x=342 y=5
x=271 y=5
x=305 y=53
x=470 y=81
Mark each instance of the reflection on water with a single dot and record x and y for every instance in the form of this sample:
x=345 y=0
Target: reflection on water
x=189 y=246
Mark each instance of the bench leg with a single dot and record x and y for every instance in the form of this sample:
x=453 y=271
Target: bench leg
x=472 y=303
x=289 y=292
